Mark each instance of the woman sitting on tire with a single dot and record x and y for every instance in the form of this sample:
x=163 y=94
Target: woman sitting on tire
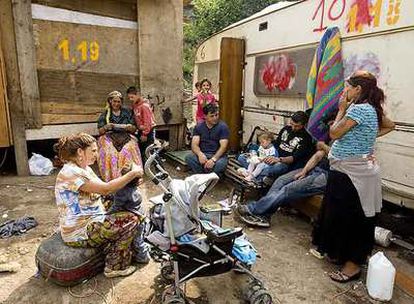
x=82 y=217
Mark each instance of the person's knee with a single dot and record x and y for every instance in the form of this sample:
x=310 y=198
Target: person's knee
x=220 y=165
x=190 y=158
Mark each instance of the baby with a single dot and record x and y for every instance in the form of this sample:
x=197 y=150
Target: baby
x=255 y=160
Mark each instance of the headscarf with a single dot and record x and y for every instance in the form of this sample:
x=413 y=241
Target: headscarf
x=112 y=95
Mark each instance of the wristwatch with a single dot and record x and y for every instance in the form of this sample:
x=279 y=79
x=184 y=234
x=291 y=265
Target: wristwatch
x=213 y=159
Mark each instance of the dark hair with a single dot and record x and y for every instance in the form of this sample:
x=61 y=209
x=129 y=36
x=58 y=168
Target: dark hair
x=370 y=92
x=67 y=146
x=300 y=117
x=210 y=108
x=205 y=80
x=197 y=84
x=327 y=118
x=132 y=90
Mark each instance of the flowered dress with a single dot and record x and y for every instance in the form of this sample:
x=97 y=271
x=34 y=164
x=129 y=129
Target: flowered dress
x=117 y=148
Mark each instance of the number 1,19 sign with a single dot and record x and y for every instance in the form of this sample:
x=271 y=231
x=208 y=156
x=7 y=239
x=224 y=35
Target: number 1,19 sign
x=85 y=51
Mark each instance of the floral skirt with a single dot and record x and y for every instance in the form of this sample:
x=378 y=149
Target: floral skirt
x=115 y=236
x=111 y=162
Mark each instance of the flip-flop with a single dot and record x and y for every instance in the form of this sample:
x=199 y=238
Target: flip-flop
x=317 y=254
x=340 y=277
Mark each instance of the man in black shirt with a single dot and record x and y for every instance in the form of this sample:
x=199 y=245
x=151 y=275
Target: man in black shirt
x=295 y=147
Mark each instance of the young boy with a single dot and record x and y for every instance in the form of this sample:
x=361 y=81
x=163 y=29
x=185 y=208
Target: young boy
x=144 y=119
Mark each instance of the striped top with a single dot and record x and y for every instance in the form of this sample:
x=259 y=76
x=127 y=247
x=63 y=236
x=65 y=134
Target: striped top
x=360 y=140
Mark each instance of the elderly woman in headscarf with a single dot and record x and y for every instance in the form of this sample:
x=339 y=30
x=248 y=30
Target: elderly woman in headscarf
x=117 y=146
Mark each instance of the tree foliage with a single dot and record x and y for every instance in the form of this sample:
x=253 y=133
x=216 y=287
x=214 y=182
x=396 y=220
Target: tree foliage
x=211 y=16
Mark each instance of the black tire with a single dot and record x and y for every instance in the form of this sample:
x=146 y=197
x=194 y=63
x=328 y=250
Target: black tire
x=261 y=296
x=167 y=272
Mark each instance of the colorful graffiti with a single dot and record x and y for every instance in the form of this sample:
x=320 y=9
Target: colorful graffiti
x=361 y=14
x=278 y=73
x=367 y=62
x=331 y=15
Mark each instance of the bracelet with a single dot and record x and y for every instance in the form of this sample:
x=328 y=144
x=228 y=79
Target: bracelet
x=214 y=161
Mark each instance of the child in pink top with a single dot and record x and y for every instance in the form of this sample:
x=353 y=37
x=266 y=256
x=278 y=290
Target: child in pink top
x=203 y=98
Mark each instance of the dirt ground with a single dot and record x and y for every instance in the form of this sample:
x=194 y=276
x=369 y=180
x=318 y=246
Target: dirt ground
x=289 y=272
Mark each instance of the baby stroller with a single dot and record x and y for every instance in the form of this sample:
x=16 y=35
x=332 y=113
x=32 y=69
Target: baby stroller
x=188 y=246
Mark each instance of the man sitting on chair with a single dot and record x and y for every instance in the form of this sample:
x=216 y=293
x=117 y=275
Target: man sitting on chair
x=209 y=143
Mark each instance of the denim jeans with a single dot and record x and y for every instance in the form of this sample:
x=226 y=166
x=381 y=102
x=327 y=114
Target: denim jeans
x=195 y=166
x=286 y=189
x=242 y=159
x=273 y=171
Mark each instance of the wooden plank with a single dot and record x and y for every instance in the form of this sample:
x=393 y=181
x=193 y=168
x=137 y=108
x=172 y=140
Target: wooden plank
x=54 y=119
x=309 y=206
x=79 y=92
x=5 y=129
x=405 y=282
x=56 y=131
x=70 y=107
x=13 y=87
x=231 y=83
x=85 y=48
x=123 y=9
x=26 y=57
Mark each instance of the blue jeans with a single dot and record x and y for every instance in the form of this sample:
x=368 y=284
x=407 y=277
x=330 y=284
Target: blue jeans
x=273 y=171
x=242 y=159
x=286 y=189
x=195 y=166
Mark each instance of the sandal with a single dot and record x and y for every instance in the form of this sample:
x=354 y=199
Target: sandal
x=339 y=276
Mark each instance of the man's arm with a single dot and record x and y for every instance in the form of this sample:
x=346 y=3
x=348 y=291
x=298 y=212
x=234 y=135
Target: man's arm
x=195 y=145
x=312 y=162
x=223 y=148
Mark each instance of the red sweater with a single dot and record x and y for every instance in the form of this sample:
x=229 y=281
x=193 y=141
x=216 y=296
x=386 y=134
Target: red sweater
x=144 y=117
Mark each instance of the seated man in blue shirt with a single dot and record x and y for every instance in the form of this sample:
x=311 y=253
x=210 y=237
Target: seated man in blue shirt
x=209 y=144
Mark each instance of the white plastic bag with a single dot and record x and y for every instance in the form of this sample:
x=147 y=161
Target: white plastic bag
x=40 y=165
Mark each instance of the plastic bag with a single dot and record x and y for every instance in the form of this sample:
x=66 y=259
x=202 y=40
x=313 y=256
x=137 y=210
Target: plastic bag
x=244 y=251
x=40 y=165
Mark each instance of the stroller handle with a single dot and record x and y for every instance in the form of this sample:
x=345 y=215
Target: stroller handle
x=152 y=153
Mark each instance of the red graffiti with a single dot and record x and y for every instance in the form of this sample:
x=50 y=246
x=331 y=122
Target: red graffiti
x=278 y=73
x=333 y=8
x=363 y=15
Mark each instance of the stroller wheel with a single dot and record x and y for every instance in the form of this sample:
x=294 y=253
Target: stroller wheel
x=167 y=271
x=252 y=288
x=261 y=296
x=174 y=300
x=170 y=297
